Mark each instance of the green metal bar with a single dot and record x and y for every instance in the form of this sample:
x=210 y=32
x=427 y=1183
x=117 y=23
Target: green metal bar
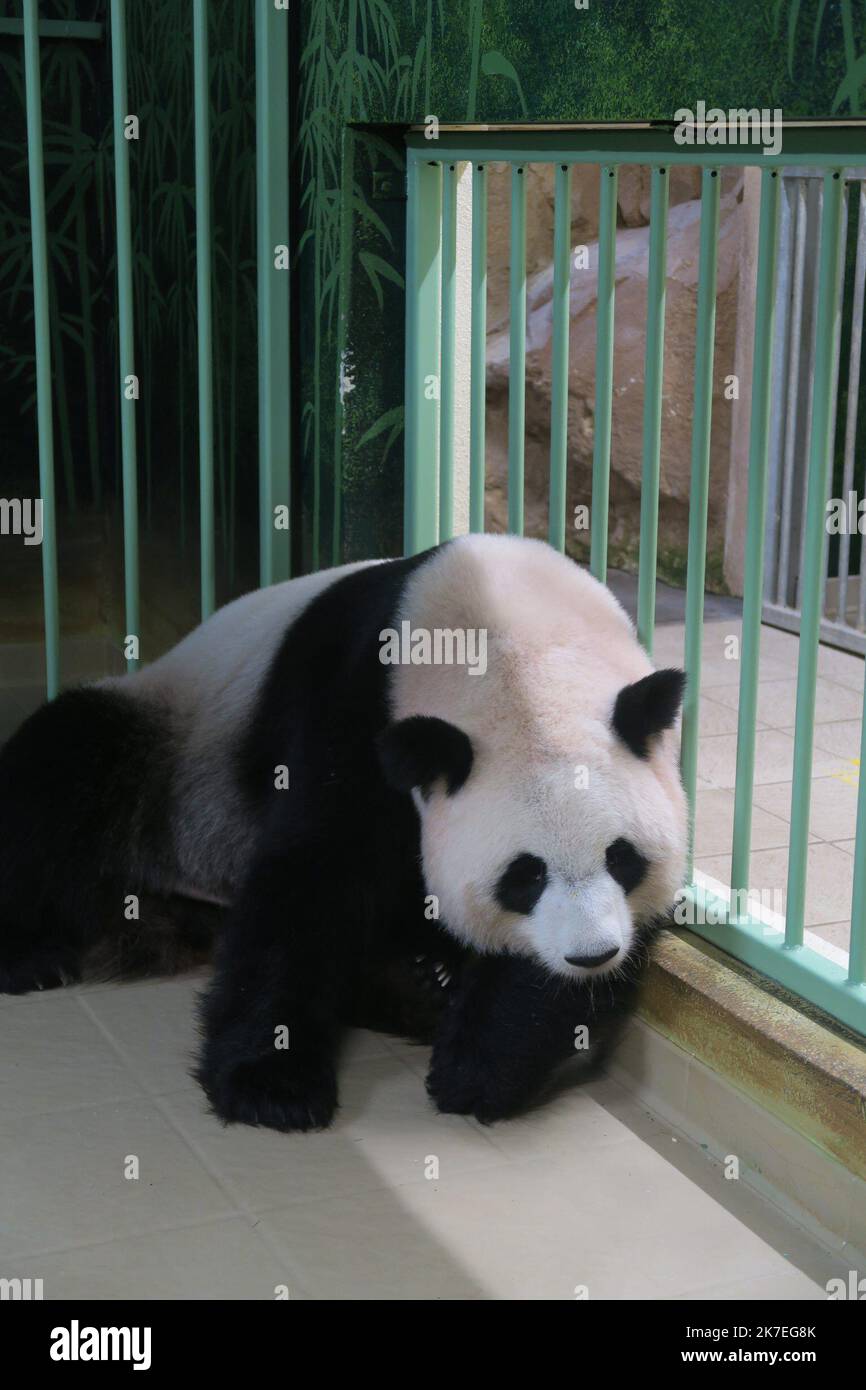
x=54 y=29
x=705 y=336
x=654 y=361
x=42 y=329
x=818 y=146
x=449 y=307
x=603 y=370
x=423 y=257
x=857 y=946
x=272 y=231
x=125 y=335
x=348 y=190
x=753 y=579
x=804 y=972
x=559 y=365
x=517 y=351
x=478 y=350
x=816 y=497
x=203 y=304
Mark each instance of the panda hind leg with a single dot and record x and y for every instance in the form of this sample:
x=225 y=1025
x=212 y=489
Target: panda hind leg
x=82 y=789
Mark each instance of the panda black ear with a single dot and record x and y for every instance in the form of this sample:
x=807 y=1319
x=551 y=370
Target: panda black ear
x=414 y=752
x=647 y=707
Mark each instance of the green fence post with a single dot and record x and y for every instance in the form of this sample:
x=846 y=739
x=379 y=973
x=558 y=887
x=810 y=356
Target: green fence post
x=654 y=362
x=816 y=534
x=42 y=331
x=705 y=335
x=125 y=335
x=478 y=350
x=272 y=283
x=603 y=370
x=423 y=257
x=449 y=319
x=201 y=86
x=559 y=363
x=753 y=578
x=517 y=351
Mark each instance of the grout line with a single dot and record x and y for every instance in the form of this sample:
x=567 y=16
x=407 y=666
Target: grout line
x=252 y=1217
x=391 y=1185
x=158 y=1100
x=126 y=1057
x=193 y=1223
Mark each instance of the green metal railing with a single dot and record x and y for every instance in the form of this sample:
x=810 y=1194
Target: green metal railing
x=784 y=957
x=272 y=175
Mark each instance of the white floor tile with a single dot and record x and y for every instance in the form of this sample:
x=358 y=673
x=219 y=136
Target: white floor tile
x=714 y=824
x=774 y=758
x=222 y=1259
x=65 y=1173
x=833 y=806
x=54 y=1057
x=153 y=1026
x=777 y=701
x=841 y=737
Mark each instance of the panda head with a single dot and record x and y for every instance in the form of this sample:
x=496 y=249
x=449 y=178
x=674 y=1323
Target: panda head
x=558 y=840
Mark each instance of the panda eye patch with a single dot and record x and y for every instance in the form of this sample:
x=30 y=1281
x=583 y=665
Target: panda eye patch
x=625 y=864
x=522 y=884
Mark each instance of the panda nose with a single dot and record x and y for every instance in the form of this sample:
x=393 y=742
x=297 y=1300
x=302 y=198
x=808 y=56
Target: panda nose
x=589 y=961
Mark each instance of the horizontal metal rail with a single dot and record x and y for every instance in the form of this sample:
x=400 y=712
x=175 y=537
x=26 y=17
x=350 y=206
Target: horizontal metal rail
x=815 y=145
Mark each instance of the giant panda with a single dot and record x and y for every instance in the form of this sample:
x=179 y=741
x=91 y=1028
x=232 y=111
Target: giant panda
x=372 y=824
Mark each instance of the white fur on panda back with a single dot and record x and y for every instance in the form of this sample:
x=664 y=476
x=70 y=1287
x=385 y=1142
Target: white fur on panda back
x=218 y=669
x=208 y=685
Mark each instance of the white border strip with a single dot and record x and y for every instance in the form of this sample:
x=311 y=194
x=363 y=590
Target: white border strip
x=773 y=920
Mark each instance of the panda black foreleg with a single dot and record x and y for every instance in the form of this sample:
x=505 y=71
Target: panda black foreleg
x=270 y=1015
x=512 y=1024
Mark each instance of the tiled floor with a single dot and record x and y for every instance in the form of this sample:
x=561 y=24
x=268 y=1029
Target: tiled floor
x=118 y=1184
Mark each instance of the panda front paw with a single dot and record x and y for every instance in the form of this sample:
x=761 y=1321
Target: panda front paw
x=465 y=1081
x=274 y=1091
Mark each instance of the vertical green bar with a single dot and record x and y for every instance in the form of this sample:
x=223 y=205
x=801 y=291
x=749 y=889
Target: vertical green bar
x=705 y=333
x=816 y=498
x=201 y=87
x=423 y=256
x=652 y=406
x=45 y=423
x=517 y=350
x=449 y=302
x=857 y=945
x=478 y=350
x=348 y=191
x=603 y=370
x=559 y=366
x=272 y=231
x=128 y=393
x=753 y=577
